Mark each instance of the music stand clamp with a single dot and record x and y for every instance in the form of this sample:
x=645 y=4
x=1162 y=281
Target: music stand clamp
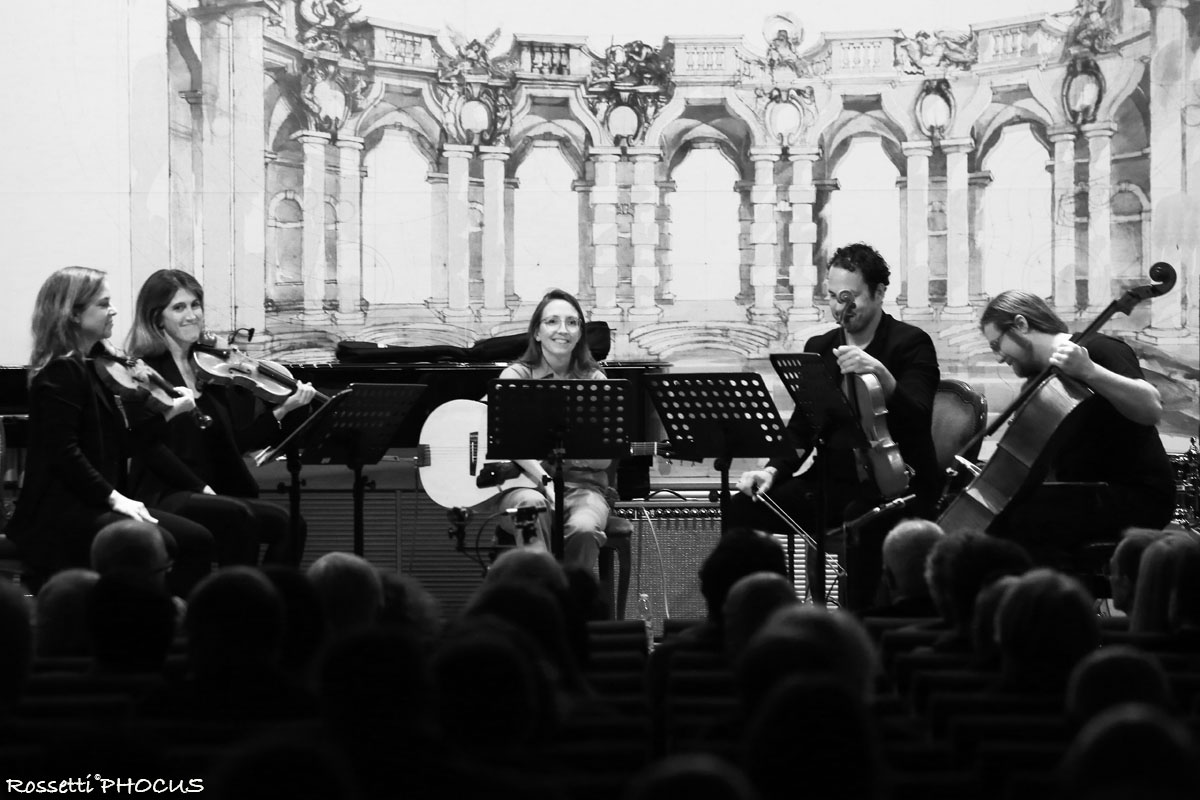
x=355 y=428
x=826 y=422
x=552 y=420
x=719 y=415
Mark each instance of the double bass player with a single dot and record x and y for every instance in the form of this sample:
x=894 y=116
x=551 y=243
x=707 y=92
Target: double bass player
x=1111 y=439
x=867 y=341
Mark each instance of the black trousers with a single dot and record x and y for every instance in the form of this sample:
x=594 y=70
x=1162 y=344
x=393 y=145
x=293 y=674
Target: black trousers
x=240 y=525
x=801 y=498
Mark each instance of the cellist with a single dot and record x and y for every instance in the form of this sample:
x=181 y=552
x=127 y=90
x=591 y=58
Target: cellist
x=1115 y=441
x=866 y=341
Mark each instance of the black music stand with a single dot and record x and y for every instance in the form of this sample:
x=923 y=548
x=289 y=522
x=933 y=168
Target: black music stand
x=354 y=428
x=719 y=415
x=551 y=420
x=824 y=421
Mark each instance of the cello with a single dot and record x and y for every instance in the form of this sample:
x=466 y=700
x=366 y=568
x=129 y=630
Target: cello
x=1042 y=408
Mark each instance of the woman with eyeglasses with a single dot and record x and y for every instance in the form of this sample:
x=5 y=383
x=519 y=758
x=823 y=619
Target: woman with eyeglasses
x=556 y=349
x=76 y=480
x=220 y=491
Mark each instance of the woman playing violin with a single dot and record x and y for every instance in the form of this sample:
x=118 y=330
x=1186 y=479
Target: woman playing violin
x=220 y=492
x=75 y=478
x=867 y=341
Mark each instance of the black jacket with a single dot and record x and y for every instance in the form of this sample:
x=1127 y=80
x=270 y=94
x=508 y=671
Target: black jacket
x=211 y=457
x=910 y=356
x=79 y=443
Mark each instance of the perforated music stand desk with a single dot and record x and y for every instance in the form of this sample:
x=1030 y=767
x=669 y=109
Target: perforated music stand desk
x=354 y=428
x=554 y=420
x=719 y=415
x=825 y=420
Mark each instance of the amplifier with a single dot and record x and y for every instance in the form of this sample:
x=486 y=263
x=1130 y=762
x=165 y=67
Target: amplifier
x=670 y=540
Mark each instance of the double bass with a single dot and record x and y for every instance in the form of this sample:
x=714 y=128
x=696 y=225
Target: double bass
x=1041 y=410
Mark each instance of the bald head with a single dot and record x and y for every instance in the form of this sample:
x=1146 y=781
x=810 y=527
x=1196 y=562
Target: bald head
x=350 y=589
x=132 y=546
x=905 y=549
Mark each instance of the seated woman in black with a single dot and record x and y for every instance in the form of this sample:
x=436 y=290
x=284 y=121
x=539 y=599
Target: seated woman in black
x=220 y=493
x=79 y=441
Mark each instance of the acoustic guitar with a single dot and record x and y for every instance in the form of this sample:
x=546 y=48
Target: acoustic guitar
x=451 y=457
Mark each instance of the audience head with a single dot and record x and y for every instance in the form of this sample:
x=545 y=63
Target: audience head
x=502 y=716
x=983 y=624
x=234 y=619
x=131 y=618
x=528 y=566
x=1156 y=581
x=1183 y=613
x=132 y=546
x=738 y=553
x=303 y=620
x=1045 y=624
x=350 y=589
x=409 y=604
x=696 y=776
x=17 y=653
x=61 y=614
x=1132 y=750
x=377 y=676
x=962 y=563
x=1113 y=675
x=539 y=614
x=813 y=726
x=1123 y=566
x=276 y=766
x=750 y=602
x=806 y=640
x=905 y=549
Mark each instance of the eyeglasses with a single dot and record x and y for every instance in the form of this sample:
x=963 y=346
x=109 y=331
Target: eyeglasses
x=995 y=343
x=571 y=323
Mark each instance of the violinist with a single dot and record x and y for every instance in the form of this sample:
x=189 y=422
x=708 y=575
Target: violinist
x=75 y=478
x=1111 y=439
x=867 y=341
x=220 y=492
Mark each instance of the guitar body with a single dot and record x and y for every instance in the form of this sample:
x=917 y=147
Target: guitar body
x=451 y=456
x=882 y=456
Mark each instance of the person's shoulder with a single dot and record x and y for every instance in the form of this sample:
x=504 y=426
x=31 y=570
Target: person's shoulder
x=60 y=368
x=821 y=341
x=518 y=370
x=904 y=330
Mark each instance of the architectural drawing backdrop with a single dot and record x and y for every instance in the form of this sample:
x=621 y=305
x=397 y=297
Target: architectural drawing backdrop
x=330 y=174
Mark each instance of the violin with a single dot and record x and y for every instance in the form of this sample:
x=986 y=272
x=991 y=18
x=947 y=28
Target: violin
x=880 y=460
x=1041 y=410
x=267 y=380
x=133 y=380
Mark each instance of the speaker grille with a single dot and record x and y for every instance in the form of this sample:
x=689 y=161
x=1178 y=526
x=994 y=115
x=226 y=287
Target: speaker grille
x=671 y=539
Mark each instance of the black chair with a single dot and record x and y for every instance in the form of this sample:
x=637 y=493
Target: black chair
x=959 y=413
